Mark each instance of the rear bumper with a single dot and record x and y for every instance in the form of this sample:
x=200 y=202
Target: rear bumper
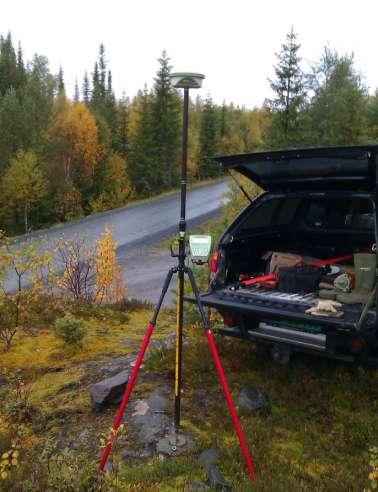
x=288 y=324
x=295 y=346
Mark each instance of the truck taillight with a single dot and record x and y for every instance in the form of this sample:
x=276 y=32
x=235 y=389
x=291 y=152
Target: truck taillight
x=213 y=263
x=357 y=345
x=229 y=320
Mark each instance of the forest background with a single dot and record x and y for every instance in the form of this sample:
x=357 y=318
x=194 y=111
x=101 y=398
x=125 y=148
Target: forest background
x=64 y=157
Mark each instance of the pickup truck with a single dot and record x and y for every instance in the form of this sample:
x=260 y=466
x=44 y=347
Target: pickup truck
x=315 y=203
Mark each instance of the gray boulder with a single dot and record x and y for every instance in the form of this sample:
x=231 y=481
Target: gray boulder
x=109 y=391
x=217 y=480
x=208 y=457
x=253 y=399
x=149 y=416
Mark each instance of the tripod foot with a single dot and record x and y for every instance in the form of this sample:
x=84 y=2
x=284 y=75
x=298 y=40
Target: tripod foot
x=174 y=444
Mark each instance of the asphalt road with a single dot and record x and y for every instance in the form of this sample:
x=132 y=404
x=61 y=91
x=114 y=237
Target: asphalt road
x=138 y=229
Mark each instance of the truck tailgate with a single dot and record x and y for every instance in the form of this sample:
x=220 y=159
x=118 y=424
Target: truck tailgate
x=263 y=303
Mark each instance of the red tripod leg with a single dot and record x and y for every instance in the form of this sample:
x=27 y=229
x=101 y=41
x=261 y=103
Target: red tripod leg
x=222 y=377
x=126 y=396
x=230 y=403
x=134 y=374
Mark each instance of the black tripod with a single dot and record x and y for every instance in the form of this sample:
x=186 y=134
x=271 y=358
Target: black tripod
x=181 y=270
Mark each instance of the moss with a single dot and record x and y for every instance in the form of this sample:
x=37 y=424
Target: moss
x=104 y=336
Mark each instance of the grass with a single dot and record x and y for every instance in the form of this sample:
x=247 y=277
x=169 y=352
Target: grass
x=104 y=334
x=315 y=436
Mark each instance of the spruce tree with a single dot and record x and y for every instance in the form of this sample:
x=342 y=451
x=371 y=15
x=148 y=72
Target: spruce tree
x=76 y=92
x=86 y=89
x=8 y=65
x=21 y=72
x=102 y=70
x=121 y=140
x=61 y=88
x=14 y=127
x=142 y=170
x=38 y=98
x=109 y=111
x=166 y=116
x=96 y=97
x=208 y=141
x=290 y=96
x=103 y=103
x=223 y=123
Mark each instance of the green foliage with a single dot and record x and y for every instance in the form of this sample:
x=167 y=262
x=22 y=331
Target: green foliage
x=86 y=89
x=166 y=123
x=70 y=329
x=13 y=126
x=103 y=102
x=8 y=65
x=286 y=129
x=338 y=110
x=38 y=99
x=121 y=136
x=141 y=160
x=372 y=116
x=115 y=184
x=208 y=138
x=79 y=145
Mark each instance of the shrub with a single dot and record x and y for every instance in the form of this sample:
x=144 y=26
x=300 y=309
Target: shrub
x=70 y=329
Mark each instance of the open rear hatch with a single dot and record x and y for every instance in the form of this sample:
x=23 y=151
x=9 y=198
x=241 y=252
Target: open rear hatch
x=293 y=170
x=335 y=169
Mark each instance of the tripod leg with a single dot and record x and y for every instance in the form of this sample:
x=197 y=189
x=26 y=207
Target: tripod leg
x=134 y=374
x=178 y=357
x=222 y=377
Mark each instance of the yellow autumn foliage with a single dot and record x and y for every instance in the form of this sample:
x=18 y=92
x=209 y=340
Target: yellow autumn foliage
x=109 y=284
x=77 y=132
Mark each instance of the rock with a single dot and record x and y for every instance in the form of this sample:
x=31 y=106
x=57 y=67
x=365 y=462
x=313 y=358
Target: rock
x=149 y=418
x=3 y=381
x=136 y=453
x=129 y=342
x=253 y=399
x=196 y=485
x=108 y=391
x=114 y=366
x=81 y=441
x=108 y=466
x=165 y=344
x=217 y=480
x=208 y=457
x=205 y=400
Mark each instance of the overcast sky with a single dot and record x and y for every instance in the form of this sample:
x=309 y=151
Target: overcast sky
x=233 y=42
